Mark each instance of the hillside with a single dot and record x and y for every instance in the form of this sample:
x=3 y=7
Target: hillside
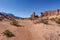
x=31 y=30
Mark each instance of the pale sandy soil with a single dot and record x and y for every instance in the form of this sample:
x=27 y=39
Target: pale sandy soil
x=30 y=31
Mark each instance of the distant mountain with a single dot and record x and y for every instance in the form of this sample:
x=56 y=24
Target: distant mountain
x=13 y=16
x=8 y=15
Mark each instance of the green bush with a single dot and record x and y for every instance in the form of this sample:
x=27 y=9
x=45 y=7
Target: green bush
x=58 y=20
x=14 y=22
x=8 y=33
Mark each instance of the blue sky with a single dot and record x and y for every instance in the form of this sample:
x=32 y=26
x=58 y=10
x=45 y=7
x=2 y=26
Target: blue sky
x=24 y=8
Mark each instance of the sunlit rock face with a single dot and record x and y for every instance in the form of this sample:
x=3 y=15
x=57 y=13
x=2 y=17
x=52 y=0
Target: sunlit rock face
x=51 y=13
x=34 y=16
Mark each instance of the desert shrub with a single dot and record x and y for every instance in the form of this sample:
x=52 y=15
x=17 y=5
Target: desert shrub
x=57 y=20
x=8 y=33
x=45 y=21
x=14 y=22
x=52 y=19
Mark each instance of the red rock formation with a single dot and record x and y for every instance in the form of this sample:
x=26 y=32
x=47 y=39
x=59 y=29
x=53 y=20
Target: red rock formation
x=33 y=16
x=50 y=13
x=44 y=14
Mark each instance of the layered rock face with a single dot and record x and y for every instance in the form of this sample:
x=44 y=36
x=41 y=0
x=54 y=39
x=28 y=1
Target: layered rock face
x=50 y=13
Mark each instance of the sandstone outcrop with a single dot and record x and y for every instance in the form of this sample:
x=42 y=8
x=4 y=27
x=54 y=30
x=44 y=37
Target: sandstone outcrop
x=50 y=13
x=33 y=16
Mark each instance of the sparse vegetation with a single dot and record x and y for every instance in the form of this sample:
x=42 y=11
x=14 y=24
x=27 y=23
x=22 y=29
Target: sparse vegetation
x=45 y=21
x=57 y=20
x=14 y=22
x=8 y=33
x=52 y=19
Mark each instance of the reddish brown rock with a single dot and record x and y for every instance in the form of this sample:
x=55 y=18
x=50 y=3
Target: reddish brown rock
x=33 y=16
x=50 y=13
